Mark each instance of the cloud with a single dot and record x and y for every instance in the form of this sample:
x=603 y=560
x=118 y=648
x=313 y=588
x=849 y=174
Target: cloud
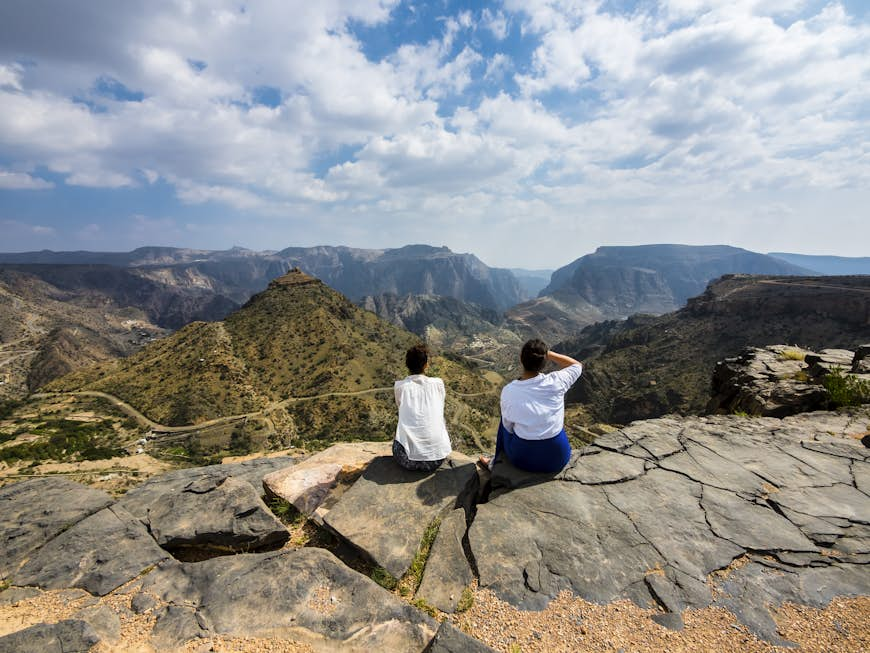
x=22 y=181
x=526 y=110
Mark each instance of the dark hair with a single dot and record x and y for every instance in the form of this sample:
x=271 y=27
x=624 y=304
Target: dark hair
x=534 y=355
x=416 y=358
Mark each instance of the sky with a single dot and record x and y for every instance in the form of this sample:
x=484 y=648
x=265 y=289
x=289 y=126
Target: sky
x=528 y=132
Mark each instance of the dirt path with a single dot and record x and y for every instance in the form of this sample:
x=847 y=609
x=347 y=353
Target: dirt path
x=16 y=355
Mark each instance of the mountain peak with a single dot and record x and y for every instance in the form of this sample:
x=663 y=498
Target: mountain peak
x=293 y=277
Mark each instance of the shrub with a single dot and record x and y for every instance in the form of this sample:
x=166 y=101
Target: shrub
x=846 y=389
x=793 y=355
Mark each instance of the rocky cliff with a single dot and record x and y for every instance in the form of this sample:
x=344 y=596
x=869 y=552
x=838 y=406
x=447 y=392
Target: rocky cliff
x=650 y=366
x=738 y=514
x=617 y=282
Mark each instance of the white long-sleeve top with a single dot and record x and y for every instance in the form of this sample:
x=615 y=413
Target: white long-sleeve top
x=534 y=409
x=421 y=428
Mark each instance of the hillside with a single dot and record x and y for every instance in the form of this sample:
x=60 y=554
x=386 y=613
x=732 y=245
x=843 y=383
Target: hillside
x=299 y=339
x=615 y=282
x=648 y=366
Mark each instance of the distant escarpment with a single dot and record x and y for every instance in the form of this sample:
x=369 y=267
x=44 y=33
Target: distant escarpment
x=238 y=273
x=648 y=366
x=617 y=282
x=299 y=360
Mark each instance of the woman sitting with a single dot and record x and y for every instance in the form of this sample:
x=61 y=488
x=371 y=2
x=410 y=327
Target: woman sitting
x=532 y=429
x=421 y=442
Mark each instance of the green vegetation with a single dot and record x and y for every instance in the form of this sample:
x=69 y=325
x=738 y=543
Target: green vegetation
x=420 y=604
x=413 y=577
x=4 y=585
x=465 y=601
x=384 y=578
x=846 y=389
x=8 y=407
x=65 y=439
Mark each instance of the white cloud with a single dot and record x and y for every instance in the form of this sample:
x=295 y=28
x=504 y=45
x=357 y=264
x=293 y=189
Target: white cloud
x=496 y=22
x=22 y=181
x=647 y=113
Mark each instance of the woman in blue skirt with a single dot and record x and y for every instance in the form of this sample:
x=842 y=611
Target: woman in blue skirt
x=532 y=429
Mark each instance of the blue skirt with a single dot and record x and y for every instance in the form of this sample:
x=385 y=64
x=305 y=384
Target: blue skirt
x=549 y=455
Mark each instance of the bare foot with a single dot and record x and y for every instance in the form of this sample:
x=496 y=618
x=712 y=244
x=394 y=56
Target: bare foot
x=484 y=462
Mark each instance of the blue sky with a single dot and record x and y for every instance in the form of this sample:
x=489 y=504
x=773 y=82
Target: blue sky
x=528 y=132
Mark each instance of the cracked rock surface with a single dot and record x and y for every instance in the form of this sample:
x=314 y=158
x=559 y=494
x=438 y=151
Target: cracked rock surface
x=687 y=512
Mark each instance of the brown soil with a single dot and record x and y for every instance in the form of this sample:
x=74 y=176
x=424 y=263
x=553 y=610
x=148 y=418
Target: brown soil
x=569 y=624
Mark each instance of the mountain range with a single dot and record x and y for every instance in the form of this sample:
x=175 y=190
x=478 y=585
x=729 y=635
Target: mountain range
x=614 y=283
x=238 y=273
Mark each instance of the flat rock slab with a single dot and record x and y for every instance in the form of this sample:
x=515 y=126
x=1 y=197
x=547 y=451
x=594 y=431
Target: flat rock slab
x=447 y=571
x=139 y=500
x=68 y=636
x=33 y=512
x=227 y=514
x=312 y=484
x=306 y=595
x=98 y=554
x=691 y=495
x=387 y=510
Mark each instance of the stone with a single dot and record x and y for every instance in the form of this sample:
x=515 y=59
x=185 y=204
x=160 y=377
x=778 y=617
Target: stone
x=34 y=511
x=105 y=622
x=447 y=571
x=306 y=595
x=98 y=554
x=174 y=626
x=13 y=595
x=861 y=361
x=67 y=636
x=308 y=484
x=142 y=603
x=153 y=491
x=670 y=620
x=387 y=510
x=449 y=639
x=220 y=513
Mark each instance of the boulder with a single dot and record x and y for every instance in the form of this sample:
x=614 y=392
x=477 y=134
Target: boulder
x=139 y=500
x=306 y=595
x=210 y=512
x=98 y=554
x=447 y=571
x=770 y=381
x=387 y=510
x=34 y=511
x=67 y=636
x=315 y=484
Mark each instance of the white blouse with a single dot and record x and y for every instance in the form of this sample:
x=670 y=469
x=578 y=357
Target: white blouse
x=421 y=428
x=534 y=409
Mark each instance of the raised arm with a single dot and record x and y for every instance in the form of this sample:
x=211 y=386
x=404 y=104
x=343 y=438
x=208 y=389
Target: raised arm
x=561 y=360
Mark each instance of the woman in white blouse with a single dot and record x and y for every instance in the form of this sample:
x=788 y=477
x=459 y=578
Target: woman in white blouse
x=421 y=442
x=532 y=429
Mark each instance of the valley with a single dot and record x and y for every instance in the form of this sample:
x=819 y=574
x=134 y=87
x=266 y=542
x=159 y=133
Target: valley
x=300 y=366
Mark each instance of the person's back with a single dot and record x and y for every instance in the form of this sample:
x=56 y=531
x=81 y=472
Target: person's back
x=532 y=429
x=422 y=442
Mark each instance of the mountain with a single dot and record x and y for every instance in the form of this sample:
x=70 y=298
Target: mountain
x=647 y=366
x=238 y=273
x=299 y=361
x=616 y=282
x=832 y=265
